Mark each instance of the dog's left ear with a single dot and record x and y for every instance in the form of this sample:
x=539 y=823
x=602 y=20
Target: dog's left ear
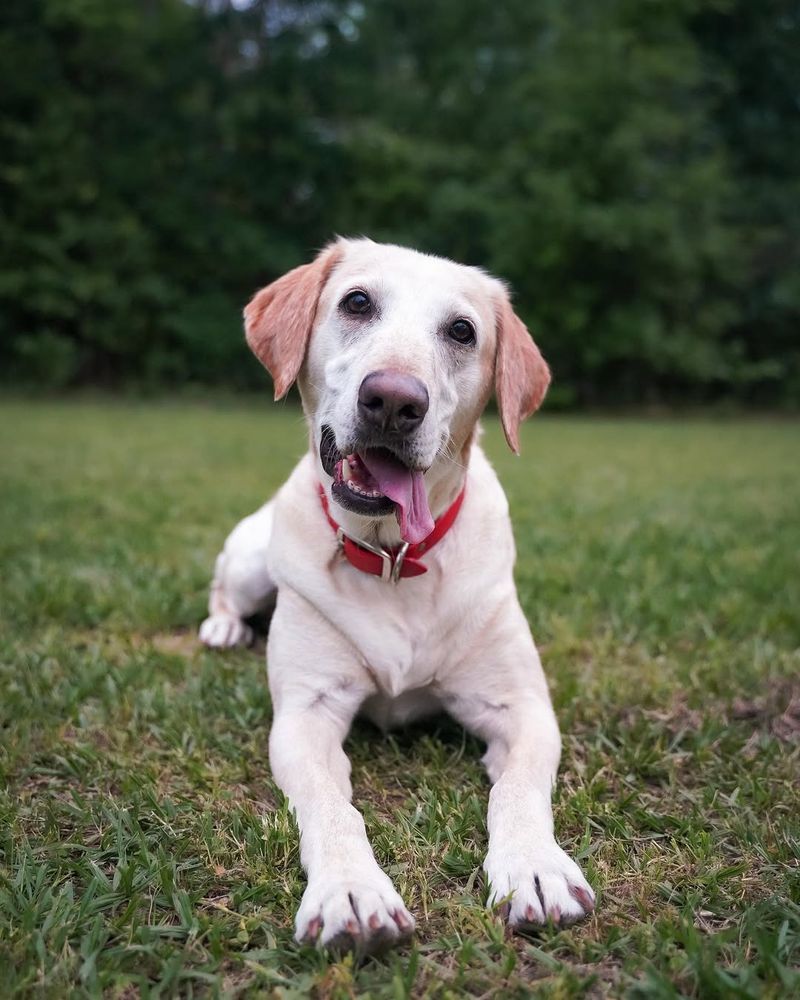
x=278 y=320
x=521 y=375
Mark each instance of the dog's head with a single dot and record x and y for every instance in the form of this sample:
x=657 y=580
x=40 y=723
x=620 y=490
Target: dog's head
x=396 y=354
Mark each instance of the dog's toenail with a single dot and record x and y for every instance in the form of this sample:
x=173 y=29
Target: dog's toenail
x=582 y=896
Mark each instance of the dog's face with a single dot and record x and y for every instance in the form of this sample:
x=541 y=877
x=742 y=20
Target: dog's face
x=396 y=354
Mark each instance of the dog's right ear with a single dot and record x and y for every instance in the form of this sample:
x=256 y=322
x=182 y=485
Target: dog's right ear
x=278 y=320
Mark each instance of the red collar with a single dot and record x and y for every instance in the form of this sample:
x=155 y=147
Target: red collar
x=401 y=561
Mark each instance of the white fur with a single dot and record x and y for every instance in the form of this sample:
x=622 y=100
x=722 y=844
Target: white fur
x=242 y=586
x=456 y=638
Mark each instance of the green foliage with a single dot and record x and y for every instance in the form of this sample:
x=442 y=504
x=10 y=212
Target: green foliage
x=752 y=49
x=628 y=167
x=144 y=849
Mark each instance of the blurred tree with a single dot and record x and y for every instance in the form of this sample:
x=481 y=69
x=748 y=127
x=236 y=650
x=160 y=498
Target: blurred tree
x=141 y=162
x=630 y=168
x=567 y=148
x=754 y=51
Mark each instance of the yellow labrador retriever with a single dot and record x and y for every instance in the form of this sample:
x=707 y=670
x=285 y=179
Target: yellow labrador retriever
x=391 y=552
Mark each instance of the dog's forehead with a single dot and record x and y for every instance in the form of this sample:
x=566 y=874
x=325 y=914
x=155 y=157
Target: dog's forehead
x=401 y=271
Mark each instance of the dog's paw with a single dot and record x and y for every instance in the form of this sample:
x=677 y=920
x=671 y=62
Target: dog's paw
x=225 y=631
x=535 y=885
x=363 y=914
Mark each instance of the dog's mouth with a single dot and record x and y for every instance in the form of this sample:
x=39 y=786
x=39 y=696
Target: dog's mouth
x=375 y=482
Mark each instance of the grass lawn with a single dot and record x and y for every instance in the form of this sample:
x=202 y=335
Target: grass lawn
x=144 y=850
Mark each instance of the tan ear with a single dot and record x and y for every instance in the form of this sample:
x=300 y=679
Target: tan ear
x=521 y=375
x=278 y=320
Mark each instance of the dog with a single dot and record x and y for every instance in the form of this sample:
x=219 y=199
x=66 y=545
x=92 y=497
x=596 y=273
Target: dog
x=389 y=556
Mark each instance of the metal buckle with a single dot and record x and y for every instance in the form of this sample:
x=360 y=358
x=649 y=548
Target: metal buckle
x=398 y=562
x=386 y=572
x=390 y=570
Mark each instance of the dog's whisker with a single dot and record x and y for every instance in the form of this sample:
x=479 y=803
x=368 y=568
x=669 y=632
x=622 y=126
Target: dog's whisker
x=445 y=454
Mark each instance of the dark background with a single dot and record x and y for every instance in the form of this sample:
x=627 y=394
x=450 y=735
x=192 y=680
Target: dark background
x=630 y=166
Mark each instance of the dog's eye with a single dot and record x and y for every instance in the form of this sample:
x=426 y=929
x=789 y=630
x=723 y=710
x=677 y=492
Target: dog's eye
x=356 y=303
x=462 y=331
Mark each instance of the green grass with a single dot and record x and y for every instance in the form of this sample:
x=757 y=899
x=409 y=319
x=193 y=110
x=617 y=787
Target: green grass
x=144 y=850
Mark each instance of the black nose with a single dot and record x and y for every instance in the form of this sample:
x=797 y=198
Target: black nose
x=392 y=401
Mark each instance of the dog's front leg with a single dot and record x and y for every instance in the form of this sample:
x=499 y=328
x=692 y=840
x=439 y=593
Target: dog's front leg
x=509 y=707
x=317 y=688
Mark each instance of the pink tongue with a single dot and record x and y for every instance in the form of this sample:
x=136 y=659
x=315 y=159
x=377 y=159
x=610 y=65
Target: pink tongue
x=407 y=489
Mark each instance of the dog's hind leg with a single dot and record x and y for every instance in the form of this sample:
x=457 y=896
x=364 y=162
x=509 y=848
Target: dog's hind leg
x=242 y=586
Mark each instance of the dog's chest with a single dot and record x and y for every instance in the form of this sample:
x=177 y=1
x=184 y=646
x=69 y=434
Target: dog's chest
x=400 y=632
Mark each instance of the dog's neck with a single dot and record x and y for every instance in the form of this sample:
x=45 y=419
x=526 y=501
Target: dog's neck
x=443 y=481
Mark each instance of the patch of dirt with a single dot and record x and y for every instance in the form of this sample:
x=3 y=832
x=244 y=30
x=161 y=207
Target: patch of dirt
x=257 y=794
x=130 y=992
x=237 y=981
x=677 y=715
x=183 y=643
x=778 y=709
x=606 y=973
